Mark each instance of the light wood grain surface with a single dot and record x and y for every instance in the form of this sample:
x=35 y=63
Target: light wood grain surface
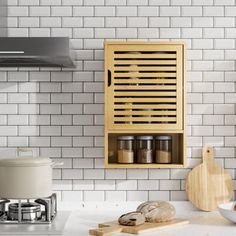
x=145 y=92
x=208 y=184
x=113 y=227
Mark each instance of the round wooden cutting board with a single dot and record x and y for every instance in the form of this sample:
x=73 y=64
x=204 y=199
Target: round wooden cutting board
x=208 y=184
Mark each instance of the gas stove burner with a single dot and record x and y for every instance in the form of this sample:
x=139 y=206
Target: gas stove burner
x=29 y=211
x=3 y=203
x=39 y=211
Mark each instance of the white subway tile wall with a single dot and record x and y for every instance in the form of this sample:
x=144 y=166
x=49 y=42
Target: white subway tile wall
x=59 y=113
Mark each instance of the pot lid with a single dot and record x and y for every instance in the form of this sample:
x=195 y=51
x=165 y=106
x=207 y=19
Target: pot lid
x=26 y=161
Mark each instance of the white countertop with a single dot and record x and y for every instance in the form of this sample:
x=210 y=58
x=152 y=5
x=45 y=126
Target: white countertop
x=84 y=216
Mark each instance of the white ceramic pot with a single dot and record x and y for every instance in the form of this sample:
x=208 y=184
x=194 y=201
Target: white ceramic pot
x=26 y=177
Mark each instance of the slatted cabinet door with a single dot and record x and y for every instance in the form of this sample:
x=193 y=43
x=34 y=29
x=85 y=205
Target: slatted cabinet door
x=144 y=83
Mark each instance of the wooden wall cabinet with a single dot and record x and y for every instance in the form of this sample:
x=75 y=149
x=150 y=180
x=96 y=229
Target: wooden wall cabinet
x=145 y=95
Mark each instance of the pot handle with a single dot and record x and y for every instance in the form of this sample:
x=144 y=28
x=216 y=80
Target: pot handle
x=20 y=150
x=57 y=164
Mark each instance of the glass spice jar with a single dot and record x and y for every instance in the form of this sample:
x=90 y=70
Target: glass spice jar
x=144 y=149
x=163 y=149
x=125 y=149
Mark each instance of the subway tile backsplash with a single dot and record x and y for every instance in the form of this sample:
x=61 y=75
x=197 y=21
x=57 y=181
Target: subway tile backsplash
x=59 y=113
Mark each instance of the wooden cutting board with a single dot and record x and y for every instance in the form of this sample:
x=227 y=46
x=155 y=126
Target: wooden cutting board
x=208 y=184
x=113 y=227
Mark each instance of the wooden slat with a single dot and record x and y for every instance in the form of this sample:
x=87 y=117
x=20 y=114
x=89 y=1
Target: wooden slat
x=144 y=112
x=145 y=81
x=145 y=166
x=145 y=68
x=145 y=106
x=144 y=87
x=145 y=100
x=144 y=62
x=145 y=118
x=145 y=94
x=163 y=62
x=117 y=132
x=136 y=74
x=146 y=55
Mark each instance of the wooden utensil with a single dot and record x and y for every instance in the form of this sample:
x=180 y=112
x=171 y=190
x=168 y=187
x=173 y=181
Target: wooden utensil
x=208 y=184
x=110 y=228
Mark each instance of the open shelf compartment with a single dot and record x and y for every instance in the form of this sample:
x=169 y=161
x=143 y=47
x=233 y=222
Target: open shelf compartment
x=178 y=151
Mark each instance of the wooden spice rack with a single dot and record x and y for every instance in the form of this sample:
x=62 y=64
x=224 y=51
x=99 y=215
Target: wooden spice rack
x=145 y=95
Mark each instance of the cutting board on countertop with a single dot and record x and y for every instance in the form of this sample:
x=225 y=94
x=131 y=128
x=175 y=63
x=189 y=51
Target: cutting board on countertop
x=113 y=227
x=208 y=184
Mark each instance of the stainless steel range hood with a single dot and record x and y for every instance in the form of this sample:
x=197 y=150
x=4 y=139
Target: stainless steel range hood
x=35 y=52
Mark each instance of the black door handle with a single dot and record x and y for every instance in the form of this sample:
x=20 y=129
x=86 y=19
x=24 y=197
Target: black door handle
x=109 y=78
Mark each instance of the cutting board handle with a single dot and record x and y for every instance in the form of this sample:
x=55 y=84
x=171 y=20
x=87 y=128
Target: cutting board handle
x=207 y=153
x=106 y=230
